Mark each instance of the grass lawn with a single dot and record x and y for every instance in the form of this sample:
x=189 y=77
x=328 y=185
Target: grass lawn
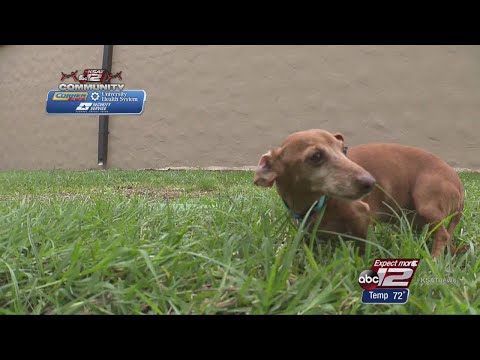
x=198 y=242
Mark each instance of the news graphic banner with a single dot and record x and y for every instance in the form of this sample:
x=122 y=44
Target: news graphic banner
x=90 y=95
x=127 y=102
x=388 y=281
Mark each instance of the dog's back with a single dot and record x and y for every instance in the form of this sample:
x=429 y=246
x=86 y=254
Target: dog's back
x=407 y=175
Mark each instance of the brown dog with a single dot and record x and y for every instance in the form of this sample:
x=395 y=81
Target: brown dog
x=313 y=165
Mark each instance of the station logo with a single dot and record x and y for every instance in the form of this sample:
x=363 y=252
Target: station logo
x=90 y=79
x=388 y=281
x=91 y=93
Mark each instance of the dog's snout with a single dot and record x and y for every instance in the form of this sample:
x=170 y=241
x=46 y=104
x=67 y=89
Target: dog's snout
x=366 y=183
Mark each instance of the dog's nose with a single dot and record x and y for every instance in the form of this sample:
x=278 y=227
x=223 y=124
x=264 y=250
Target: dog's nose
x=366 y=182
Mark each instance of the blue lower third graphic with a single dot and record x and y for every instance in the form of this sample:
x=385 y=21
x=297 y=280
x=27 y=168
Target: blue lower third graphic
x=118 y=102
x=385 y=296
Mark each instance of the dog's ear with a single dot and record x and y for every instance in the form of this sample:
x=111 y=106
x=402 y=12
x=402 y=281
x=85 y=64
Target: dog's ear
x=339 y=137
x=265 y=175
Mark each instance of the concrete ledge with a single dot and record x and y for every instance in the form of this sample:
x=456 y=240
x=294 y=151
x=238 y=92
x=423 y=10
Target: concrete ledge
x=467 y=170
x=247 y=168
x=207 y=168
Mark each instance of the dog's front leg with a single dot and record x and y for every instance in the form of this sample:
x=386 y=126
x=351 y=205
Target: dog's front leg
x=361 y=219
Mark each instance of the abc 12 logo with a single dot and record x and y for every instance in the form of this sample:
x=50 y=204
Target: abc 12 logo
x=93 y=75
x=389 y=274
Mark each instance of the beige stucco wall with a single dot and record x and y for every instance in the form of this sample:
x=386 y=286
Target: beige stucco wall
x=226 y=105
x=28 y=137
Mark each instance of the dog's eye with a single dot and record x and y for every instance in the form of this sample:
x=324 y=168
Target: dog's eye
x=316 y=157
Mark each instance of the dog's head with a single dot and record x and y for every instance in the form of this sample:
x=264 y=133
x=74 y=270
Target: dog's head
x=314 y=161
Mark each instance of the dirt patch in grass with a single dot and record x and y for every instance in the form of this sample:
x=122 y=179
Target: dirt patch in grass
x=165 y=194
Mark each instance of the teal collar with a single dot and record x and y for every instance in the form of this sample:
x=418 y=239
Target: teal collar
x=320 y=204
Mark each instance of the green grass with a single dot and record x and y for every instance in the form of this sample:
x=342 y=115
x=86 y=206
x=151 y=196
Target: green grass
x=197 y=242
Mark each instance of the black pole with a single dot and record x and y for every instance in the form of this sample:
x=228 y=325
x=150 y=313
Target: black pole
x=103 y=119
